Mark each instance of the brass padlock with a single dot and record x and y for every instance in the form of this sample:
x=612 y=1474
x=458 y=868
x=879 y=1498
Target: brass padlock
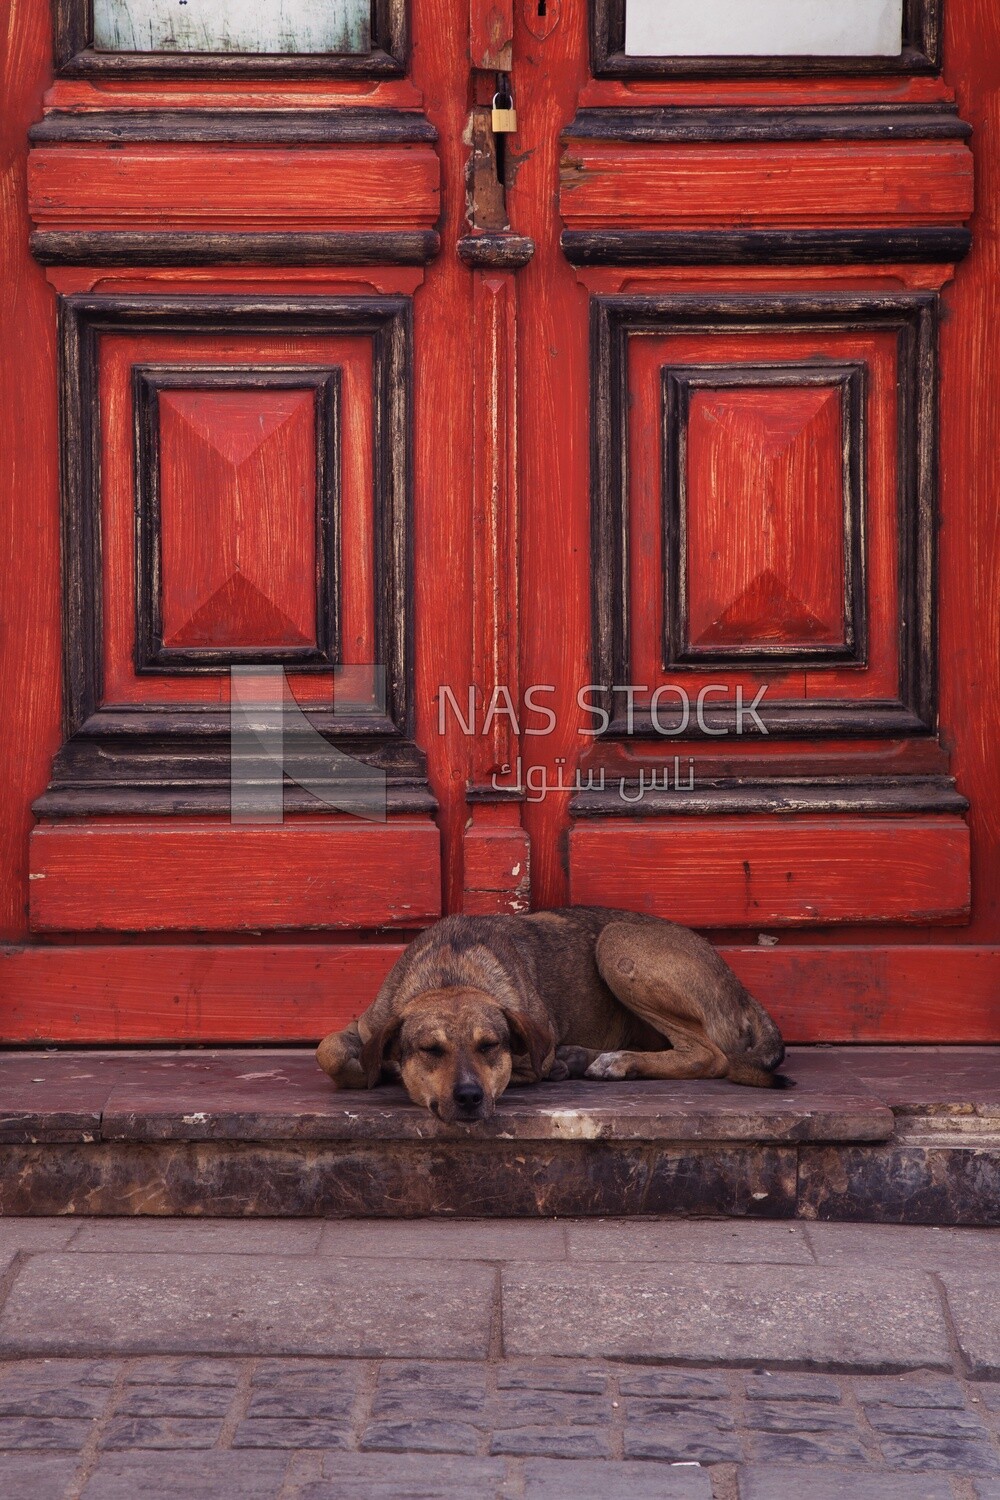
x=504 y=114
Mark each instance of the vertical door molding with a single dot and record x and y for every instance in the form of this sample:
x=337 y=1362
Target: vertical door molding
x=496 y=848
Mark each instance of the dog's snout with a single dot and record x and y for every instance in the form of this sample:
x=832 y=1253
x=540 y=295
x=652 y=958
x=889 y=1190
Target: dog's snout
x=468 y=1095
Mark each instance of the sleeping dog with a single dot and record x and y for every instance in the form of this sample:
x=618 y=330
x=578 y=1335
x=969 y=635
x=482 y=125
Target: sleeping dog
x=583 y=992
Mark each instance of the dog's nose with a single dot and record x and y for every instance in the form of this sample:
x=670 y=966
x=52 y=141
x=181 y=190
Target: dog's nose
x=468 y=1095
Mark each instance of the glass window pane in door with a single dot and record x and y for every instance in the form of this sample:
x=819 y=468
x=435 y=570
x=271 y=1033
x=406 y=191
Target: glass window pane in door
x=764 y=28
x=227 y=26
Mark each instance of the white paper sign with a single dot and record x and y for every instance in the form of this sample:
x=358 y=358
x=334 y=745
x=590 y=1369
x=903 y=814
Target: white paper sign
x=254 y=26
x=764 y=28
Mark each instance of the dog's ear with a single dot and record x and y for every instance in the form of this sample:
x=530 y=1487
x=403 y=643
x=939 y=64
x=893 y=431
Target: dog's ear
x=373 y=1053
x=526 y=1035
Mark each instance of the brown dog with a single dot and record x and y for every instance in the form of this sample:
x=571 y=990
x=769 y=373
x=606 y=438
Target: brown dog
x=582 y=992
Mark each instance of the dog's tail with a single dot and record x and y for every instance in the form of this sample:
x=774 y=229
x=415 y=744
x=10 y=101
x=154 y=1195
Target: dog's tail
x=754 y=1077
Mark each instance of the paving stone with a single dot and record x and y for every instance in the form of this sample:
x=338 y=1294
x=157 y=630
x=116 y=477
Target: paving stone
x=800 y=1448
x=291 y=1432
x=332 y=1406
x=565 y=1376
x=681 y=1442
x=441 y=1392
x=679 y=1383
x=986 y=1489
x=47 y=1374
x=160 y=1432
x=181 y=1371
x=406 y=1476
x=925 y=1423
x=191 y=1236
x=420 y=1437
x=779 y=1314
x=35 y=1476
x=539 y=1408
x=673 y=1241
x=639 y=1409
x=759 y=1483
x=547 y=1479
x=975 y=1309
x=798 y=1416
x=43 y=1432
x=221 y=1475
x=36 y=1398
x=551 y=1442
x=175 y=1401
x=205 y=1304
x=961 y=1456
x=324 y=1375
x=910 y=1392
x=765 y=1386
x=35 y=1234
x=989 y=1395
x=908 y=1246
x=445 y=1239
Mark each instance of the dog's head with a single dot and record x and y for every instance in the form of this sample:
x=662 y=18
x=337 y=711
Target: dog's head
x=455 y=1049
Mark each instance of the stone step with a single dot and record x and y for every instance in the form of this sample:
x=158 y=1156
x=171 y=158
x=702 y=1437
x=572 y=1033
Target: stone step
x=889 y=1135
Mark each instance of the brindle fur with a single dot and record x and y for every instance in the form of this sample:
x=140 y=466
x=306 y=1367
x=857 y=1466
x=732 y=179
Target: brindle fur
x=581 y=992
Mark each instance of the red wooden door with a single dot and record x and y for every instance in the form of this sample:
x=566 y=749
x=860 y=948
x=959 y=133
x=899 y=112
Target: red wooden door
x=616 y=497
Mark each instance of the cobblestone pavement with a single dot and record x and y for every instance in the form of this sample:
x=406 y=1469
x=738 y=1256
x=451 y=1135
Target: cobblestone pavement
x=92 y=1408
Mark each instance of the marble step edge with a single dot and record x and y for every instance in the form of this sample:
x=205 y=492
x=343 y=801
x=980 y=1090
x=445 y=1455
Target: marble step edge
x=848 y=1120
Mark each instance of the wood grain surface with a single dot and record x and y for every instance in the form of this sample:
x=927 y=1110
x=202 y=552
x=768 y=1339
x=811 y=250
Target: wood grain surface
x=890 y=948
x=752 y=872
x=189 y=876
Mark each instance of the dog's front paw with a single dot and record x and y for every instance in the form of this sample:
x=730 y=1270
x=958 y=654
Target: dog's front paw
x=609 y=1066
x=574 y=1061
x=338 y=1058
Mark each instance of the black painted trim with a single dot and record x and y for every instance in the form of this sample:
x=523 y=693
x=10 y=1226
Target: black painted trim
x=720 y=797
x=765 y=247
x=140 y=248
x=502 y=252
x=345 y=126
x=833 y=122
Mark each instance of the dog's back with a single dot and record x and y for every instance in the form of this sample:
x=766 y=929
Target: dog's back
x=546 y=965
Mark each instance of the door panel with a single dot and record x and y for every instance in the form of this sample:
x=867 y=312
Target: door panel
x=684 y=391
x=168 y=875
x=754 y=872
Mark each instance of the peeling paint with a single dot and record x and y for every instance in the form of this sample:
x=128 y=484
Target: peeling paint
x=574 y=1125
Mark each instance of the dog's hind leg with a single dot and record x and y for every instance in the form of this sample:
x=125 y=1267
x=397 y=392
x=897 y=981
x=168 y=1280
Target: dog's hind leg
x=339 y=1055
x=665 y=986
x=688 y=1057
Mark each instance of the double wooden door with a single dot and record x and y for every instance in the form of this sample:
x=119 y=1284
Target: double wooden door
x=602 y=512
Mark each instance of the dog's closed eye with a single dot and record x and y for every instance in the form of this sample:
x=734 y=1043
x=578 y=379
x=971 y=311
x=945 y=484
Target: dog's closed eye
x=486 y=1047
x=433 y=1049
